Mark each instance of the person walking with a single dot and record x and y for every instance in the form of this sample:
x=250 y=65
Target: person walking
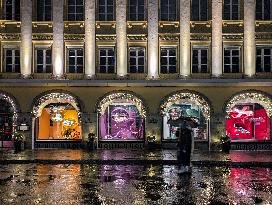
x=184 y=135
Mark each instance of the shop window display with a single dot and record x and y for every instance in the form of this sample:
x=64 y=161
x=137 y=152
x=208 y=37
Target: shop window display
x=6 y=123
x=121 y=122
x=248 y=121
x=59 y=121
x=175 y=111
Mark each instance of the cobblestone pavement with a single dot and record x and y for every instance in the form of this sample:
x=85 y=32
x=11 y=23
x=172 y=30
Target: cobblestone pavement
x=138 y=185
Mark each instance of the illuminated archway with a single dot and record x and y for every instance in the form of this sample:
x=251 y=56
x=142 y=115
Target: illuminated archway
x=186 y=101
x=121 y=117
x=57 y=117
x=248 y=116
x=8 y=118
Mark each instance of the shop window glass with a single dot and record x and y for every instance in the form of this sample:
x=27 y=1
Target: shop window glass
x=12 y=60
x=178 y=109
x=75 y=60
x=106 y=60
x=168 y=10
x=248 y=121
x=12 y=10
x=136 y=10
x=122 y=122
x=59 y=121
x=106 y=10
x=264 y=59
x=263 y=9
x=231 y=9
x=6 y=123
x=200 y=60
x=43 y=60
x=75 y=10
x=199 y=10
x=168 y=60
x=136 y=60
x=44 y=10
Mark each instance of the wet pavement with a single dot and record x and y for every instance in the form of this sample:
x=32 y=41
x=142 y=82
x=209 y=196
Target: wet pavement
x=137 y=185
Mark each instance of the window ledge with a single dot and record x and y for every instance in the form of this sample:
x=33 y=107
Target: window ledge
x=233 y=75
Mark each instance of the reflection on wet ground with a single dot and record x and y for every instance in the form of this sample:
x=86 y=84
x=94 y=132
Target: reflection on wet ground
x=138 y=185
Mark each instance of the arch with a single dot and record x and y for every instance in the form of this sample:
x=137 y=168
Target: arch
x=14 y=104
x=187 y=96
x=249 y=96
x=129 y=96
x=53 y=96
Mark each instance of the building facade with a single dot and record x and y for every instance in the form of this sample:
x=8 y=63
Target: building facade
x=122 y=68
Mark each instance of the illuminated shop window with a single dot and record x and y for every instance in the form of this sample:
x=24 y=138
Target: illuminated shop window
x=232 y=59
x=168 y=60
x=200 y=60
x=59 y=121
x=43 y=60
x=106 y=60
x=248 y=121
x=106 y=10
x=263 y=9
x=136 y=60
x=264 y=59
x=75 y=10
x=12 y=10
x=181 y=108
x=6 y=122
x=136 y=10
x=44 y=10
x=199 y=10
x=231 y=9
x=75 y=60
x=12 y=60
x=168 y=10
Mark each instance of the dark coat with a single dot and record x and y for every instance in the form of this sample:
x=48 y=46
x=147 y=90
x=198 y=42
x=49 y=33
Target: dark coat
x=184 y=146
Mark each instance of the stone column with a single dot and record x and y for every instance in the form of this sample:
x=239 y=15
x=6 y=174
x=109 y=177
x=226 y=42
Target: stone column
x=26 y=38
x=121 y=37
x=58 y=46
x=89 y=38
x=184 y=38
x=249 y=38
x=153 y=39
x=217 y=42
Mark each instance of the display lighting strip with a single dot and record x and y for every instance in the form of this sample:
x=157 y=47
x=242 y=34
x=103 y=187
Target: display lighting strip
x=124 y=97
x=251 y=97
x=192 y=97
x=54 y=98
x=7 y=98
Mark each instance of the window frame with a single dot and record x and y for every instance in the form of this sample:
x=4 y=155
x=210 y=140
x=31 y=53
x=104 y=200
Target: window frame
x=68 y=48
x=231 y=5
x=262 y=47
x=13 y=48
x=14 y=16
x=75 y=14
x=263 y=11
x=199 y=11
x=168 y=14
x=200 y=48
x=44 y=48
x=44 y=10
x=137 y=49
x=232 y=47
x=168 y=57
x=98 y=59
x=106 y=11
x=137 y=13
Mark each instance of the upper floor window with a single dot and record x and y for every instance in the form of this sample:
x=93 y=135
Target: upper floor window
x=200 y=60
x=75 y=60
x=44 y=10
x=106 y=60
x=75 y=10
x=43 y=63
x=136 y=10
x=12 y=60
x=231 y=9
x=231 y=59
x=106 y=10
x=12 y=10
x=136 y=60
x=199 y=10
x=263 y=9
x=168 y=60
x=168 y=10
x=264 y=59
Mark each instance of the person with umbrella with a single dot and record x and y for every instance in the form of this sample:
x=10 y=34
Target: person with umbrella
x=185 y=123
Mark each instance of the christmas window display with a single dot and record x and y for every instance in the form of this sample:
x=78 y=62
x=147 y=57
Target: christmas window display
x=59 y=121
x=176 y=110
x=248 y=121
